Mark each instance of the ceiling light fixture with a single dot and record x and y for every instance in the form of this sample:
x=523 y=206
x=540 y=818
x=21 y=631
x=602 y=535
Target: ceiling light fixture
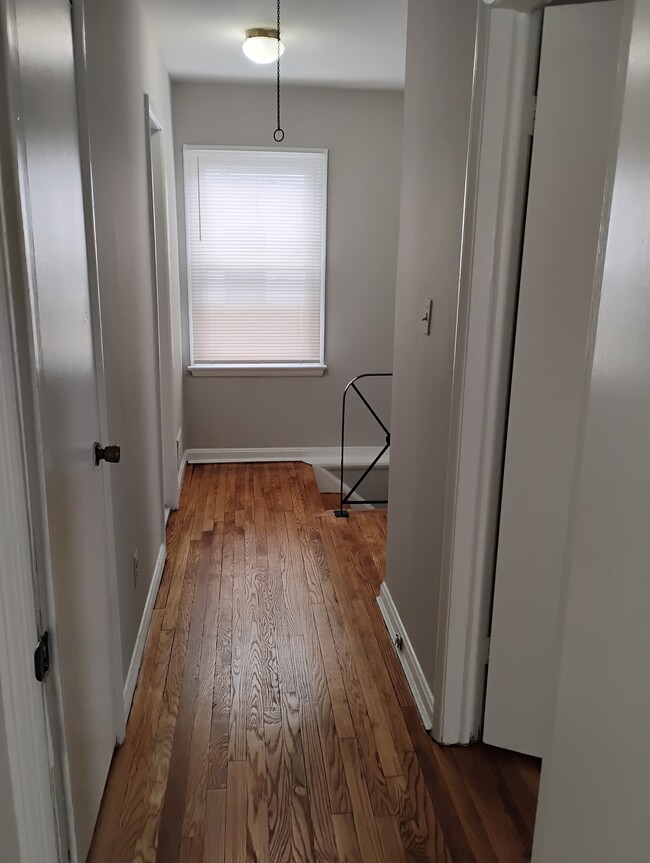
x=261 y=45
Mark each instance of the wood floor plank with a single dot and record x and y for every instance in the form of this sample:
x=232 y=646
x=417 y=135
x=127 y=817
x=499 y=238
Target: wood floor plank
x=461 y=827
x=126 y=756
x=319 y=793
x=530 y=769
x=380 y=679
x=302 y=834
x=506 y=829
x=201 y=502
x=285 y=487
x=197 y=774
x=375 y=541
x=272 y=720
x=351 y=654
x=273 y=496
x=214 y=842
x=212 y=471
x=296 y=590
x=389 y=656
x=171 y=822
x=146 y=847
x=237 y=739
x=332 y=758
x=220 y=492
x=347 y=843
x=191 y=850
x=257 y=813
x=222 y=693
x=390 y=839
x=131 y=819
x=305 y=559
x=170 y=599
x=312 y=494
x=276 y=619
x=422 y=836
x=230 y=485
x=236 y=806
x=278 y=786
x=340 y=707
x=364 y=817
x=525 y=801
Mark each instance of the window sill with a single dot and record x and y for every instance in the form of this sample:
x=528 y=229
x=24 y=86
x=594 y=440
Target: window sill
x=261 y=371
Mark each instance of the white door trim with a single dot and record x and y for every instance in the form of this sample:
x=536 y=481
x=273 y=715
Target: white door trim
x=160 y=273
x=78 y=33
x=489 y=272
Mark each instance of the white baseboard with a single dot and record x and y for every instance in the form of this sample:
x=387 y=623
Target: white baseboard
x=412 y=668
x=141 y=640
x=324 y=456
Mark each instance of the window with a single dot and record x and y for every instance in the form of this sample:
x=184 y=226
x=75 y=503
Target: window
x=256 y=260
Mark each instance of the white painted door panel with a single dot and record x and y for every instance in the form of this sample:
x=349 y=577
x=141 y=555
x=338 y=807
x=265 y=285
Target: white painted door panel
x=567 y=182
x=67 y=401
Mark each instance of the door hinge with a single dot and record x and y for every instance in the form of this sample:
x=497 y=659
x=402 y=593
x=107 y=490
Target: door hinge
x=42 y=657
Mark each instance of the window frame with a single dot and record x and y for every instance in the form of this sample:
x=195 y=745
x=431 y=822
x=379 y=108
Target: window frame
x=272 y=369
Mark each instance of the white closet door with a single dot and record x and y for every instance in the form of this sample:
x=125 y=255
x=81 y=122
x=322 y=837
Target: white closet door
x=68 y=400
x=568 y=169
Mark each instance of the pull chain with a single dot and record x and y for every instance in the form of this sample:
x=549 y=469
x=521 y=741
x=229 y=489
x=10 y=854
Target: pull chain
x=278 y=135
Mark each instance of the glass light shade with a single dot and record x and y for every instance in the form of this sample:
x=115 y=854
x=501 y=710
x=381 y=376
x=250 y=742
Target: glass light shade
x=261 y=46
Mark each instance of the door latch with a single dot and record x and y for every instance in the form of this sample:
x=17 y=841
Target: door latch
x=42 y=657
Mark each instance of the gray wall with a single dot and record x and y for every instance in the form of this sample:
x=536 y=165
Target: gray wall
x=8 y=828
x=362 y=130
x=123 y=65
x=439 y=67
x=595 y=793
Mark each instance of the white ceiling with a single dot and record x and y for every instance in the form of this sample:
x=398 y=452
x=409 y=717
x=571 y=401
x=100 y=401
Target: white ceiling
x=346 y=43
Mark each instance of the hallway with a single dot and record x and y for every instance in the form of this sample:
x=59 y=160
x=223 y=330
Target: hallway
x=272 y=720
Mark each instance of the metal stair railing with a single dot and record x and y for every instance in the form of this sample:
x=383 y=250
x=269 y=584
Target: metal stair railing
x=346 y=499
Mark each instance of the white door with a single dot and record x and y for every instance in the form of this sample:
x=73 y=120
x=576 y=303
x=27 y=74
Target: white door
x=67 y=399
x=567 y=181
x=161 y=297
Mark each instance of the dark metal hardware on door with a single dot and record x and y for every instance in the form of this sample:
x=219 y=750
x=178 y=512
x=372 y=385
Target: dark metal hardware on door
x=42 y=657
x=108 y=453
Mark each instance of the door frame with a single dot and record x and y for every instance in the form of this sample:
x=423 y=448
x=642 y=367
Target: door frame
x=503 y=113
x=160 y=275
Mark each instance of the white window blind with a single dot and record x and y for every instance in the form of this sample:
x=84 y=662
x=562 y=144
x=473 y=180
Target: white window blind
x=256 y=256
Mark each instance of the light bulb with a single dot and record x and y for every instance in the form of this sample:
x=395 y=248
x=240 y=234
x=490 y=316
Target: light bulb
x=261 y=46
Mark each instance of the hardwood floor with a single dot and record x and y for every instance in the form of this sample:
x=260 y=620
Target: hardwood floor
x=272 y=721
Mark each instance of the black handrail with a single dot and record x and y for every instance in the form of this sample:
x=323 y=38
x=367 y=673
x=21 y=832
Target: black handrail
x=340 y=512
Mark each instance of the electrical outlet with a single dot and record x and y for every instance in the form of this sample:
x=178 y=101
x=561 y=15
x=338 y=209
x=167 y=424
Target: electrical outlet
x=136 y=568
x=398 y=641
x=178 y=449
